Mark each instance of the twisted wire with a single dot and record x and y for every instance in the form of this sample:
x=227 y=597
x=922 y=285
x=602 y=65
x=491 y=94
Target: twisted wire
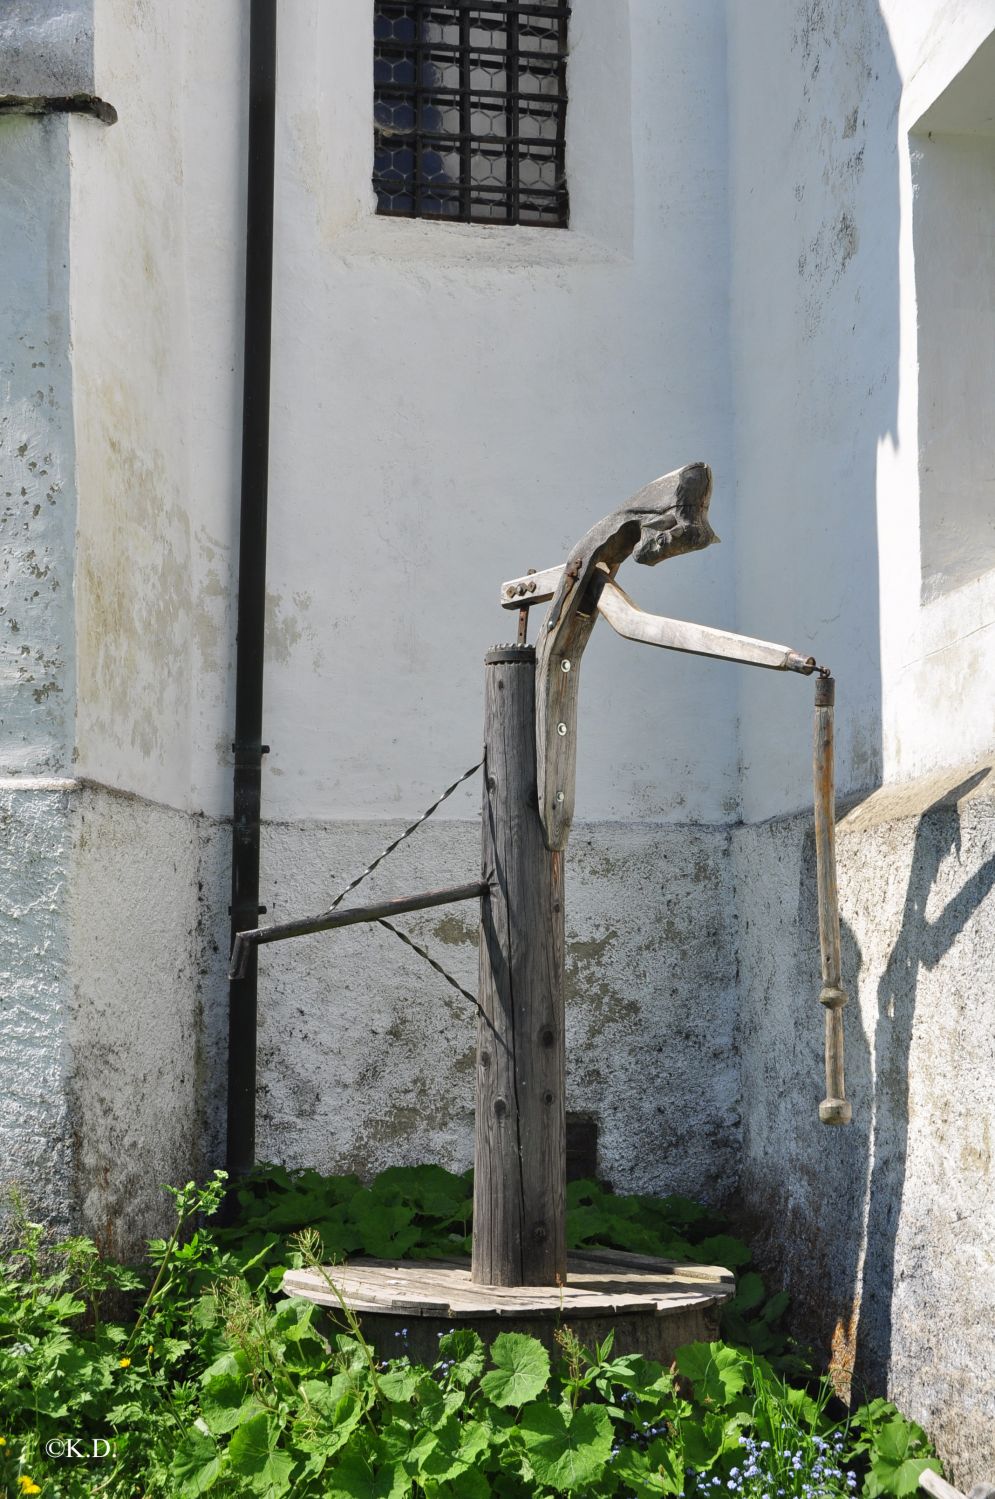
x=409 y=942
x=399 y=840
x=402 y=936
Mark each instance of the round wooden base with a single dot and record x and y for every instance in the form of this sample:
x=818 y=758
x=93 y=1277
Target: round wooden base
x=654 y=1306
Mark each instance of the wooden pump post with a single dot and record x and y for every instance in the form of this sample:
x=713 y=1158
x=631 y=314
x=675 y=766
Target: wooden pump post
x=530 y=731
x=519 y=1232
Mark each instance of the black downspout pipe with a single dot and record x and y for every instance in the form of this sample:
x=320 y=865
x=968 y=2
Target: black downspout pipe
x=248 y=746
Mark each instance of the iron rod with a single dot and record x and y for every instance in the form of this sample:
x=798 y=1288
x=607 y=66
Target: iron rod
x=328 y=921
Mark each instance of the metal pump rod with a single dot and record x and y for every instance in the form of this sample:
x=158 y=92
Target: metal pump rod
x=834 y=1108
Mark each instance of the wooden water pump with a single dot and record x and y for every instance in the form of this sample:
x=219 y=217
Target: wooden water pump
x=529 y=771
x=530 y=732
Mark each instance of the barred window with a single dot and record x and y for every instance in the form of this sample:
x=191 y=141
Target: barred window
x=469 y=110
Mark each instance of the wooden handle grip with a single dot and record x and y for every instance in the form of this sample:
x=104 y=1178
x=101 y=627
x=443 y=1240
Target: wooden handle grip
x=834 y=1108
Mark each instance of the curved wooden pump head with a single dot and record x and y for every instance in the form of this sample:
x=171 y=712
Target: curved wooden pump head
x=665 y=519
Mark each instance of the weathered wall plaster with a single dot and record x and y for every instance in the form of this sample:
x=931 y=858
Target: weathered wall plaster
x=367 y=1058
x=35 y=842
x=37 y=489
x=46 y=47
x=138 y=1016
x=881 y=1231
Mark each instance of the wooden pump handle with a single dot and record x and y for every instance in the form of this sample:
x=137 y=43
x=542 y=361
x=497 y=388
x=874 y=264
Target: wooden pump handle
x=834 y=1108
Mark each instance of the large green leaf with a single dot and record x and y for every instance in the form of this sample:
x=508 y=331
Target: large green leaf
x=658 y=1470
x=195 y=1466
x=718 y=1373
x=564 y=1450
x=721 y=1249
x=353 y=1477
x=400 y=1384
x=338 y=1407
x=750 y=1292
x=707 y=1439
x=895 y=1467
x=464 y=1350
x=253 y=1454
x=226 y=1403
x=521 y=1369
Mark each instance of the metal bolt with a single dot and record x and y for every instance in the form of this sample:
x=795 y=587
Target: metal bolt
x=564 y=665
x=531 y=587
x=559 y=796
x=561 y=729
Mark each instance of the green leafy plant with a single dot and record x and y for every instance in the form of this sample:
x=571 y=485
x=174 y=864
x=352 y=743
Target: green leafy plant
x=201 y=1378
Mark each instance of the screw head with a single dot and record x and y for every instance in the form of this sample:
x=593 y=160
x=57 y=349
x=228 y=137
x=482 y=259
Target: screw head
x=561 y=729
x=564 y=665
x=559 y=796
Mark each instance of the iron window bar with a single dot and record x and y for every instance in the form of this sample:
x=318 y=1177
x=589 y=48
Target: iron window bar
x=470 y=109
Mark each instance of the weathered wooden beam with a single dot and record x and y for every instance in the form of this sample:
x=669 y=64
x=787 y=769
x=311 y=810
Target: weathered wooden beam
x=834 y=1108
x=519 y=1224
x=533 y=588
x=933 y=1484
x=666 y=519
x=627 y=619
x=328 y=921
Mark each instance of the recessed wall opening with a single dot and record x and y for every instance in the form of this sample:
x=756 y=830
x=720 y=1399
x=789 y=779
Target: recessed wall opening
x=953 y=168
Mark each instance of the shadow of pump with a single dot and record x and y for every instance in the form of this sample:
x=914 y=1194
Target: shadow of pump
x=862 y=1343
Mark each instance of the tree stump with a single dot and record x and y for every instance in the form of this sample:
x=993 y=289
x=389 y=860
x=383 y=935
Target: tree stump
x=519 y=1232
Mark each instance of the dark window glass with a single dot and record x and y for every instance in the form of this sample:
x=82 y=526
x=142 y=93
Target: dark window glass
x=469 y=110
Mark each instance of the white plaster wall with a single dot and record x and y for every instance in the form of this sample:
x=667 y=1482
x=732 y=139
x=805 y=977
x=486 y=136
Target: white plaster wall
x=454 y=404
x=579 y=363
x=954 y=240
x=157 y=253
x=826 y=344
x=882 y=1231
x=937 y=653
x=815 y=329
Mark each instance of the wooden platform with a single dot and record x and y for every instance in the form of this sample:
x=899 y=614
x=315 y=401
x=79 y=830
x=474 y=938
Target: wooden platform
x=654 y=1305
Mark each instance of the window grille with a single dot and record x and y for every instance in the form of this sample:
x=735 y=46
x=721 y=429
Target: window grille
x=469 y=110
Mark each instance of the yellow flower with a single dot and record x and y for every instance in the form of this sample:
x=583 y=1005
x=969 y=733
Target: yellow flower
x=124 y=1363
x=150 y=1347
x=28 y=1485
x=3 y=1441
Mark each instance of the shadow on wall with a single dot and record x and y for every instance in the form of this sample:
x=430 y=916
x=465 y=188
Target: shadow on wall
x=921 y=944
x=845 y=1201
